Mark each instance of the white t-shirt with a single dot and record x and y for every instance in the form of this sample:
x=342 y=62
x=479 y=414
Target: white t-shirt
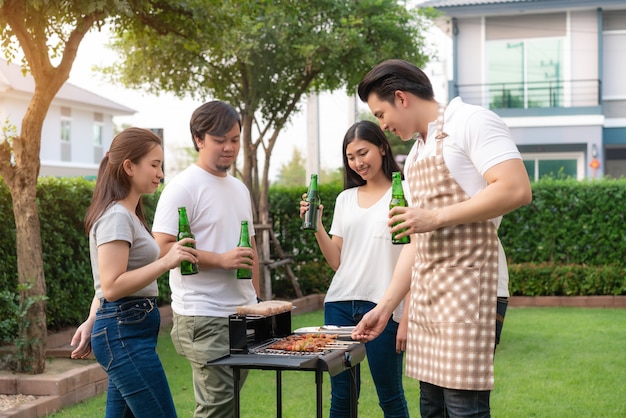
x=118 y=224
x=477 y=140
x=367 y=255
x=215 y=208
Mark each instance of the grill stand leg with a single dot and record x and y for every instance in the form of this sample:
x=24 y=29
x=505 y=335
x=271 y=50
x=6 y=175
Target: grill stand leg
x=353 y=395
x=319 y=378
x=279 y=394
x=236 y=378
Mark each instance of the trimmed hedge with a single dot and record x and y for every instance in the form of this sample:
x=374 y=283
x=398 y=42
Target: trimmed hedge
x=569 y=222
x=546 y=279
x=309 y=266
x=65 y=251
x=569 y=241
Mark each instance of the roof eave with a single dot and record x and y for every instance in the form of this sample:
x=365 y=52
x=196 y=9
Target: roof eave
x=516 y=7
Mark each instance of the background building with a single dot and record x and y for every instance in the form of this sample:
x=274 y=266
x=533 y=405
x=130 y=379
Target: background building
x=552 y=69
x=78 y=128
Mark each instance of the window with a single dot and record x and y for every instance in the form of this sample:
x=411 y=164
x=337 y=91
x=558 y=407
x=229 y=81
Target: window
x=98 y=128
x=66 y=134
x=525 y=57
x=525 y=73
x=556 y=165
x=66 y=130
x=97 y=134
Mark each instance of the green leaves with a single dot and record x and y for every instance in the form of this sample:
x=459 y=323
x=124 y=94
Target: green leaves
x=569 y=222
x=548 y=279
x=263 y=57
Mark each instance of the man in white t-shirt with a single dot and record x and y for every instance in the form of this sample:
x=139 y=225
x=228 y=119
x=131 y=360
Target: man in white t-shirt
x=216 y=203
x=464 y=172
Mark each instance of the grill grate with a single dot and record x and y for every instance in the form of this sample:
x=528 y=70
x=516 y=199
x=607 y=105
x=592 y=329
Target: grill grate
x=333 y=345
x=264 y=350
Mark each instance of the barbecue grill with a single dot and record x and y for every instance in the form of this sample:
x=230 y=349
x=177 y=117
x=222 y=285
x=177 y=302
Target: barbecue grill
x=250 y=338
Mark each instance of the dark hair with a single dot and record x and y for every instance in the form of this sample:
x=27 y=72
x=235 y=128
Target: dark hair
x=213 y=118
x=393 y=75
x=112 y=183
x=370 y=132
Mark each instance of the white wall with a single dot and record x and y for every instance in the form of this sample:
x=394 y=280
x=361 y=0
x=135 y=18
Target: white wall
x=582 y=47
x=13 y=106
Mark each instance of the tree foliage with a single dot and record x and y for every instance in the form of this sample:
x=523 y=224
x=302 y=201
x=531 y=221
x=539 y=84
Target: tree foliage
x=44 y=35
x=263 y=57
x=293 y=172
x=331 y=175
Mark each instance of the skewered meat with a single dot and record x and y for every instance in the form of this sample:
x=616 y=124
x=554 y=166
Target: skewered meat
x=304 y=342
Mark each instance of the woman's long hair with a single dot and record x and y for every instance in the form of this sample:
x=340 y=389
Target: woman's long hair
x=112 y=183
x=370 y=132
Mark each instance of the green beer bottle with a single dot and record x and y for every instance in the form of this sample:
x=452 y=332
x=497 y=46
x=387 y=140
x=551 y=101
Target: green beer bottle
x=309 y=220
x=244 y=241
x=184 y=231
x=397 y=199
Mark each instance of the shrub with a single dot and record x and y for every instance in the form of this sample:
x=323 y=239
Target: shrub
x=569 y=222
x=65 y=251
x=569 y=241
x=546 y=279
x=309 y=266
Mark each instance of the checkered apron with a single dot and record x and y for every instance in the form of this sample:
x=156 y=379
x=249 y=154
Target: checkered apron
x=454 y=282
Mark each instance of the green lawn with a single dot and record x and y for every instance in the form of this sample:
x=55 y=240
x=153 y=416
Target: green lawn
x=552 y=362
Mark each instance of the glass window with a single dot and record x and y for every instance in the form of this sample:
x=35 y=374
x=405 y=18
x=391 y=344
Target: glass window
x=544 y=73
x=556 y=168
x=556 y=165
x=525 y=73
x=66 y=130
x=97 y=134
x=506 y=74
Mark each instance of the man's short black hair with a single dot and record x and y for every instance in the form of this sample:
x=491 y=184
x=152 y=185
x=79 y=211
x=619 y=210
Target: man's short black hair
x=393 y=75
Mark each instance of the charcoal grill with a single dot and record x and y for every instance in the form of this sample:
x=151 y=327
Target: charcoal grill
x=250 y=336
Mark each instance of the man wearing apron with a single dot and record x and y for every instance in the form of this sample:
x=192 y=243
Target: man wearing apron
x=464 y=172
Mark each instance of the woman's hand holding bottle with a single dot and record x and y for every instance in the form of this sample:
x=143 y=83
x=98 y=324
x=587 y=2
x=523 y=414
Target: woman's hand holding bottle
x=304 y=207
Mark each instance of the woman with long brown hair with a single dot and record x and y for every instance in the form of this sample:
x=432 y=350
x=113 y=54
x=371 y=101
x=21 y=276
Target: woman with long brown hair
x=124 y=321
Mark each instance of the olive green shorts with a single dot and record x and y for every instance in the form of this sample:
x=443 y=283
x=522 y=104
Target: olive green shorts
x=201 y=339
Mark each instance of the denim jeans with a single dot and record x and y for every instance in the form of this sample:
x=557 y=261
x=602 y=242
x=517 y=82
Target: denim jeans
x=123 y=340
x=385 y=364
x=438 y=402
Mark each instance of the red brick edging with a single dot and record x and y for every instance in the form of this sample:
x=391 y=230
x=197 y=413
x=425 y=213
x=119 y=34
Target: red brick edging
x=572 y=301
x=315 y=302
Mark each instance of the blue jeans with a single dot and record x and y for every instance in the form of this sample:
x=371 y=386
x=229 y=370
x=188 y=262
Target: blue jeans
x=124 y=340
x=385 y=364
x=436 y=402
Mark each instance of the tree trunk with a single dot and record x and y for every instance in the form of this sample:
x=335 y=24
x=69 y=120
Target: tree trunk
x=21 y=177
x=23 y=186
x=32 y=327
x=259 y=192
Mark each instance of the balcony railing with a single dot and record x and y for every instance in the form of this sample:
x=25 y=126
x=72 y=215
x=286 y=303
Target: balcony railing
x=542 y=94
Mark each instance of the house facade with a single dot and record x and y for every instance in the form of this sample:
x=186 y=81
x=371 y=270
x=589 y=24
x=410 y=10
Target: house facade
x=552 y=69
x=78 y=128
